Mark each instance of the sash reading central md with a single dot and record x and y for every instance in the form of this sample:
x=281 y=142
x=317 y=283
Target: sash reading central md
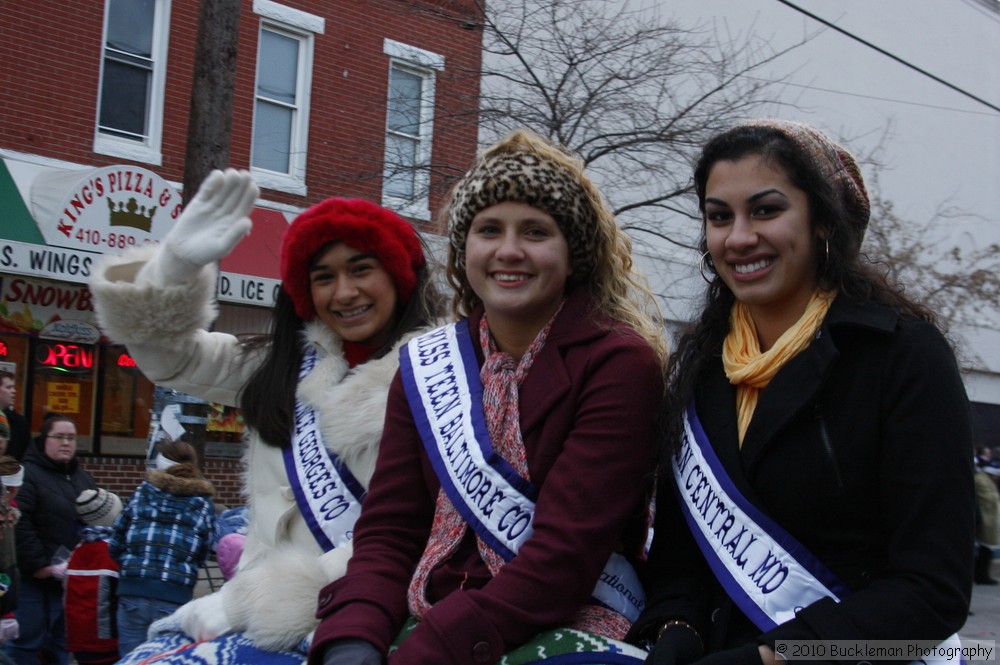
x=441 y=378
x=326 y=492
x=762 y=567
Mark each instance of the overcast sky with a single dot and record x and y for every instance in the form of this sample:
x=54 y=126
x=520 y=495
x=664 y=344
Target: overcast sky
x=943 y=145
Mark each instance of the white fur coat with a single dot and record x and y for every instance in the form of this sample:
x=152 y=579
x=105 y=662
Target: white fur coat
x=274 y=592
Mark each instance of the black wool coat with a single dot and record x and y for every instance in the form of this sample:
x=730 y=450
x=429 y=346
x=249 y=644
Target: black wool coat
x=47 y=500
x=861 y=448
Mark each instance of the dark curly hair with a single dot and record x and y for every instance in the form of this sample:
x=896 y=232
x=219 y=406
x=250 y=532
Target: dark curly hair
x=837 y=238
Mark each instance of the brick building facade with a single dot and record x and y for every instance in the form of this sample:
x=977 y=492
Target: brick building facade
x=373 y=99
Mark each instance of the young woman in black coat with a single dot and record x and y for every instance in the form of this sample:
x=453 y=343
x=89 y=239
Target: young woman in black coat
x=817 y=477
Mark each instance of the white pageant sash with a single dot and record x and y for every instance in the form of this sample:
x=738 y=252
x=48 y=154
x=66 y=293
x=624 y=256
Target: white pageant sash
x=326 y=492
x=762 y=567
x=441 y=379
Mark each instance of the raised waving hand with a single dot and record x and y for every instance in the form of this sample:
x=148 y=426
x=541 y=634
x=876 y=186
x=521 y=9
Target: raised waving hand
x=210 y=226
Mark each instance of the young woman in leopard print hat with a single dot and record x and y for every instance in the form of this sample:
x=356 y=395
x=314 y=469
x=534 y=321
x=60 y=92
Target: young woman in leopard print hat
x=509 y=502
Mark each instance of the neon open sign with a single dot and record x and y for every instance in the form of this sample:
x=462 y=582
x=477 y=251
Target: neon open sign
x=65 y=356
x=125 y=360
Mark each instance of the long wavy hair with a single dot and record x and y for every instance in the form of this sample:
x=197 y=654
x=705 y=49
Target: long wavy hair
x=837 y=245
x=617 y=287
x=268 y=399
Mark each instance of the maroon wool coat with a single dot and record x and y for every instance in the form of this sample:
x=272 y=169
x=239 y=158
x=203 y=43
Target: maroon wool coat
x=588 y=407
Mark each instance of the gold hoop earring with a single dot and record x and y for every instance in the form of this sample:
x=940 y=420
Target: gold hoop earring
x=827 y=245
x=706 y=262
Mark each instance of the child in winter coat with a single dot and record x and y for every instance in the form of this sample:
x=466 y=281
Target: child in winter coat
x=92 y=582
x=161 y=539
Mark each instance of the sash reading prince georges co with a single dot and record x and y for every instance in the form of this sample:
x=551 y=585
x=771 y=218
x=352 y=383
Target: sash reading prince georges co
x=326 y=492
x=762 y=567
x=441 y=378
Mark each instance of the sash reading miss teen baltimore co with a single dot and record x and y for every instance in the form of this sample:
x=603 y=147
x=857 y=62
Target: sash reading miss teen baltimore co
x=326 y=492
x=441 y=378
x=762 y=567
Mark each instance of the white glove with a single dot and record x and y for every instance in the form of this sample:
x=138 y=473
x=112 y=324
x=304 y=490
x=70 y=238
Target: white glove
x=212 y=224
x=204 y=618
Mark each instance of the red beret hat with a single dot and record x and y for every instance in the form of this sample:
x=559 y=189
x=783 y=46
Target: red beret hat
x=360 y=224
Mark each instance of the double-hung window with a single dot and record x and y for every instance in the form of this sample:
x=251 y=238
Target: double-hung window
x=281 y=101
x=409 y=128
x=133 y=76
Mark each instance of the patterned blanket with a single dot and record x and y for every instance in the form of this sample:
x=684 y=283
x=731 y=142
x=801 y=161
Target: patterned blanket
x=562 y=646
x=565 y=646
x=233 y=649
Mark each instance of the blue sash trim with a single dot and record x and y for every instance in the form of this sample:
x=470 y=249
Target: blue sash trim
x=466 y=348
x=797 y=553
x=440 y=375
x=709 y=491
x=327 y=494
x=453 y=391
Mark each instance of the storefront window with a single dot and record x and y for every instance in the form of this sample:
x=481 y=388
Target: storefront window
x=50 y=340
x=63 y=378
x=224 y=431
x=215 y=427
x=125 y=404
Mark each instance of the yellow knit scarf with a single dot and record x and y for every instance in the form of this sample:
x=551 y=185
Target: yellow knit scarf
x=749 y=369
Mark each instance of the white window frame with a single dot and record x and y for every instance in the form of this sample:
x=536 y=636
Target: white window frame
x=302 y=26
x=424 y=64
x=150 y=150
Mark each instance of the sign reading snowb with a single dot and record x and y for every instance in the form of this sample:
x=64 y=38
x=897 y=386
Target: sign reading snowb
x=105 y=210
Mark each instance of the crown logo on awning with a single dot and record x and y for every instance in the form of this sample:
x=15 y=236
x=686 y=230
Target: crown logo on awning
x=131 y=214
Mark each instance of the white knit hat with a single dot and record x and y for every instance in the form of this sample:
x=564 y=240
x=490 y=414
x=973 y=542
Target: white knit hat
x=98 y=507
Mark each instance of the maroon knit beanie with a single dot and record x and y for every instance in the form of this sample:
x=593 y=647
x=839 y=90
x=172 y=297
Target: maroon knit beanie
x=360 y=224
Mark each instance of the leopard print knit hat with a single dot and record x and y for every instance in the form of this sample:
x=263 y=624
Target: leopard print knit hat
x=517 y=169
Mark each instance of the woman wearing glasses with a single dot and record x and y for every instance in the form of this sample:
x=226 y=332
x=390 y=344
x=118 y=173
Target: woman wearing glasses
x=47 y=499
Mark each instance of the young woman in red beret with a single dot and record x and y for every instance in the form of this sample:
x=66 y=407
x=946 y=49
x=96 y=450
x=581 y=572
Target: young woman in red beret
x=355 y=287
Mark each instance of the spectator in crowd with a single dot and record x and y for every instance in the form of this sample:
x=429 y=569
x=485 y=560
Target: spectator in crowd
x=987 y=522
x=19 y=436
x=46 y=533
x=160 y=540
x=11 y=475
x=92 y=582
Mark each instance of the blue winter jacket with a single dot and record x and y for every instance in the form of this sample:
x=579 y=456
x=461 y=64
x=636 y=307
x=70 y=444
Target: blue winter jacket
x=163 y=535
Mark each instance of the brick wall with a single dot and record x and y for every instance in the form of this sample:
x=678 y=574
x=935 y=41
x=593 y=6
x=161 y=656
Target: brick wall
x=52 y=112
x=122 y=475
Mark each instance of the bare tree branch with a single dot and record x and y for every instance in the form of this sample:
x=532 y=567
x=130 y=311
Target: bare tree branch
x=635 y=93
x=937 y=259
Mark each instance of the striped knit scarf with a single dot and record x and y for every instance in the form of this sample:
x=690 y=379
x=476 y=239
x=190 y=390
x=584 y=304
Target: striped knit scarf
x=749 y=369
